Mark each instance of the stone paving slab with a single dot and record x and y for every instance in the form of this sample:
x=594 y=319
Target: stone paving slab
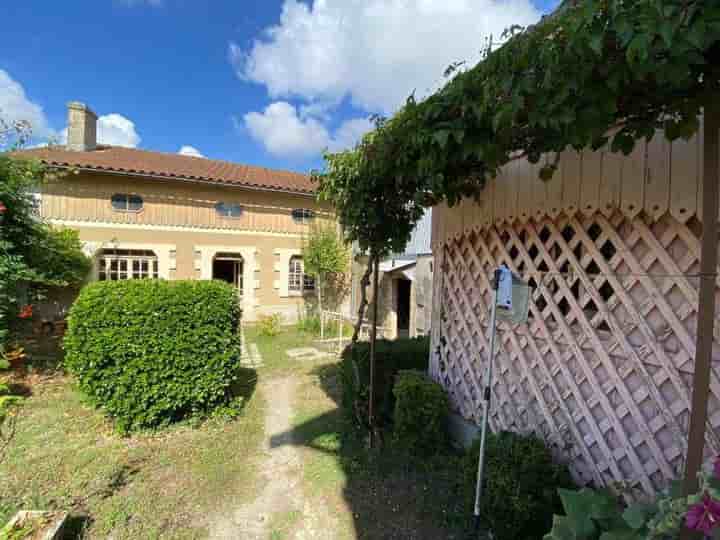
x=305 y=353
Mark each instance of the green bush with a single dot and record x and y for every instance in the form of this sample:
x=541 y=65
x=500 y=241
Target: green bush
x=151 y=352
x=391 y=357
x=309 y=324
x=269 y=325
x=520 y=493
x=421 y=409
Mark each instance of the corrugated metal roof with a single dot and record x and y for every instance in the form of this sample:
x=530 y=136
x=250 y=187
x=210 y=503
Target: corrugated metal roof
x=419 y=243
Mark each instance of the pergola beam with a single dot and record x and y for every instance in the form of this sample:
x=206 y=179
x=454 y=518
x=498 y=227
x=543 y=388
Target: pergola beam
x=706 y=303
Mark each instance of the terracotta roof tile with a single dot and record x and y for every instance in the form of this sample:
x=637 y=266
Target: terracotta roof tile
x=143 y=162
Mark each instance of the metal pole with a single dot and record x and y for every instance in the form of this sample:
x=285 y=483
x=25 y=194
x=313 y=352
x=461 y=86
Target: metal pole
x=706 y=303
x=486 y=399
x=373 y=339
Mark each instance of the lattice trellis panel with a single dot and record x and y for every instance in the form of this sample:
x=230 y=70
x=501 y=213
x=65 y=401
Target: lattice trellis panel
x=602 y=371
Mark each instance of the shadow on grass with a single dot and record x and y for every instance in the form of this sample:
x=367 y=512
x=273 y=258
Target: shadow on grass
x=244 y=386
x=391 y=495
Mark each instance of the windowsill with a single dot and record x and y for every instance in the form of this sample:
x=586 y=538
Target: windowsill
x=115 y=210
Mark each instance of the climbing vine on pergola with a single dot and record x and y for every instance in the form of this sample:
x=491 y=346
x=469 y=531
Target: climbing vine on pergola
x=595 y=73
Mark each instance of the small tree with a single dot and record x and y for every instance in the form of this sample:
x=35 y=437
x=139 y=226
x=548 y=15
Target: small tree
x=326 y=258
x=33 y=255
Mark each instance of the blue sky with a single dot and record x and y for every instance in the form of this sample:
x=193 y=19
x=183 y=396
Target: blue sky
x=266 y=82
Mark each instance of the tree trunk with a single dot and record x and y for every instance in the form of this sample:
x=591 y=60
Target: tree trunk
x=364 y=283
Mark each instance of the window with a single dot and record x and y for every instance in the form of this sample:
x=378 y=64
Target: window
x=298 y=280
x=117 y=264
x=123 y=202
x=228 y=210
x=303 y=215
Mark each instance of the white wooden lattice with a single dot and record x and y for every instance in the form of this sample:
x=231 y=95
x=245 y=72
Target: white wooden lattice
x=602 y=371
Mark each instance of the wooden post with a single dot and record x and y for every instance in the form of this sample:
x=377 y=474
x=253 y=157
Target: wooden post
x=706 y=303
x=373 y=339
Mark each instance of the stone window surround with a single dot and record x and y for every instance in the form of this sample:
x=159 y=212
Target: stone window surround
x=282 y=271
x=164 y=252
x=251 y=265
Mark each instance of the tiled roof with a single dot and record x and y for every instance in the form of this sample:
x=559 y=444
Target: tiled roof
x=132 y=161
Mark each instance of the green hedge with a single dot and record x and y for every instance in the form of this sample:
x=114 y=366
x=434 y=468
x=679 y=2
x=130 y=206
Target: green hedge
x=521 y=486
x=421 y=409
x=151 y=352
x=391 y=357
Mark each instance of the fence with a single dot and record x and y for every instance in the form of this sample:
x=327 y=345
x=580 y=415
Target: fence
x=603 y=369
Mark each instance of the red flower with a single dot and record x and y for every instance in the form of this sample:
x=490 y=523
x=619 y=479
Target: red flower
x=704 y=516
x=26 y=312
x=3 y=208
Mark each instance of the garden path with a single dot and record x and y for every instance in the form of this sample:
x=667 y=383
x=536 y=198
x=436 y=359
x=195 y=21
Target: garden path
x=280 y=501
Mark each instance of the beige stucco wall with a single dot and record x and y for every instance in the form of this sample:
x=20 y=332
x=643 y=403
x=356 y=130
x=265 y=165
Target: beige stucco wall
x=185 y=234
x=420 y=297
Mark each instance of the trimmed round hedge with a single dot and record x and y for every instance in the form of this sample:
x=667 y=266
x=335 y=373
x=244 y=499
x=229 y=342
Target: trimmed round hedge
x=151 y=352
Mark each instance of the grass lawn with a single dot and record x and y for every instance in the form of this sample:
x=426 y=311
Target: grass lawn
x=378 y=495
x=174 y=482
x=163 y=485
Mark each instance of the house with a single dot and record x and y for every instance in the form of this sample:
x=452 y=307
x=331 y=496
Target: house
x=404 y=287
x=603 y=368
x=144 y=214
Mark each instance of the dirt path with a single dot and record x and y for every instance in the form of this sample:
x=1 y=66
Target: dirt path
x=280 y=511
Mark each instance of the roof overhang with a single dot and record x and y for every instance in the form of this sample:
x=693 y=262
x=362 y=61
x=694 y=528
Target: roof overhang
x=216 y=183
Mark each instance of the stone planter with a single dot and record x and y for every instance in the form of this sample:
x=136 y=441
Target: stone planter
x=38 y=525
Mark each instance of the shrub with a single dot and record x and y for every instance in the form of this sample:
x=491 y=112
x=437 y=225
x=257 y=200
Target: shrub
x=421 y=408
x=269 y=325
x=309 y=324
x=391 y=357
x=520 y=493
x=150 y=352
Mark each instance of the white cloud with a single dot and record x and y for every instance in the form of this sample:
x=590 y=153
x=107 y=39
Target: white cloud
x=285 y=133
x=16 y=106
x=116 y=130
x=376 y=52
x=349 y=133
x=190 y=151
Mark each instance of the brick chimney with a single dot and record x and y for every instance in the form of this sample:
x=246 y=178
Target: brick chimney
x=82 y=127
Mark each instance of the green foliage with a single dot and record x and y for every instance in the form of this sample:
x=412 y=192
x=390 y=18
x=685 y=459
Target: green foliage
x=380 y=215
x=31 y=252
x=592 y=515
x=391 y=357
x=8 y=409
x=269 y=325
x=151 y=352
x=421 y=409
x=595 y=73
x=310 y=324
x=521 y=483
x=324 y=252
x=601 y=515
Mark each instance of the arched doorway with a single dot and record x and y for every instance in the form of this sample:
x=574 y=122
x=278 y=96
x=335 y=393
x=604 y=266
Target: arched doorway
x=229 y=267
